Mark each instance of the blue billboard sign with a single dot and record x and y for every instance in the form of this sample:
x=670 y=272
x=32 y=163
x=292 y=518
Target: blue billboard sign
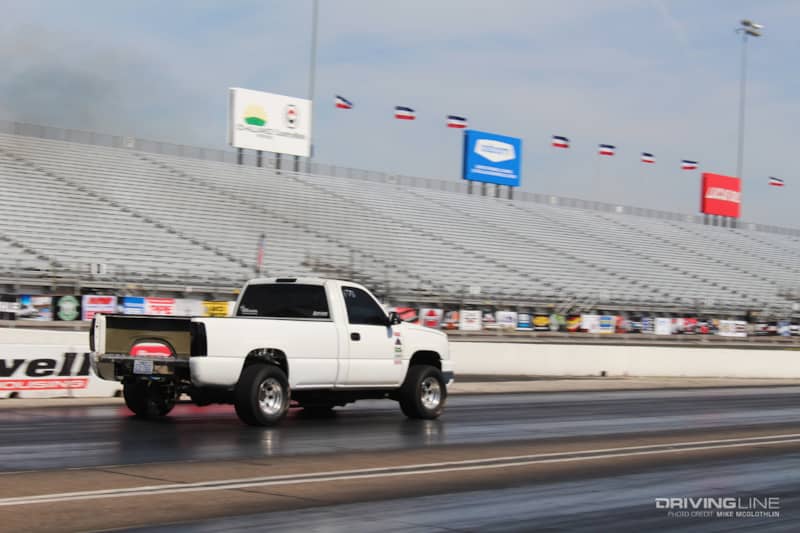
x=133 y=305
x=492 y=158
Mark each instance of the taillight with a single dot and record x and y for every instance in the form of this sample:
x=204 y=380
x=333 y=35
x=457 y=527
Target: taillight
x=91 y=335
x=199 y=343
x=151 y=349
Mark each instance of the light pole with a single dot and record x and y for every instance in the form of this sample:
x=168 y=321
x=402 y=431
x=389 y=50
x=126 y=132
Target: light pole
x=312 y=70
x=747 y=28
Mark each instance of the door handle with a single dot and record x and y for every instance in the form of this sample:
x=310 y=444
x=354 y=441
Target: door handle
x=355 y=336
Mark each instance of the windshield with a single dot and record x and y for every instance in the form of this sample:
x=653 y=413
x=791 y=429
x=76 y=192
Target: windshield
x=284 y=301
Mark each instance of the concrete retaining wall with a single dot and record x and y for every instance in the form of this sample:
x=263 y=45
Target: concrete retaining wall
x=49 y=353
x=581 y=360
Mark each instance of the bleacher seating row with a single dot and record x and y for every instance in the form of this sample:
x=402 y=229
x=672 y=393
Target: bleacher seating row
x=153 y=217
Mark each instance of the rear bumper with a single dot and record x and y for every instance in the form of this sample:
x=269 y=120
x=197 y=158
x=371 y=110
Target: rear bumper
x=115 y=367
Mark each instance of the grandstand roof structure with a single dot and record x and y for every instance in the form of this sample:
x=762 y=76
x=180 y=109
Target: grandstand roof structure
x=160 y=215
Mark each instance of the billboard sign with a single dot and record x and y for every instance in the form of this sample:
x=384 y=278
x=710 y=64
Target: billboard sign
x=506 y=320
x=606 y=324
x=732 y=328
x=492 y=158
x=66 y=307
x=159 y=306
x=663 y=326
x=524 y=322
x=9 y=307
x=35 y=307
x=721 y=195
x=451 y=320
x=470 y=320
x=269 y=122
x=216 y=308
x=133 y=305
x=431 y=318
x=97 y=303
x=189 y=307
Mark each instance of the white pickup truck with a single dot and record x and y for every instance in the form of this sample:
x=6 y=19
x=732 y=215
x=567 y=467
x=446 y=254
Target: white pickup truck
x=319 y=343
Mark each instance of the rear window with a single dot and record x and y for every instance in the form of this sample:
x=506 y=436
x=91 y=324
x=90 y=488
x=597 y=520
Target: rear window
x=284 y=301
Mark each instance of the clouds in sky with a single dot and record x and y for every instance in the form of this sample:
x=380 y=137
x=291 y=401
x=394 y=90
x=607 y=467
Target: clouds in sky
x=658 y=76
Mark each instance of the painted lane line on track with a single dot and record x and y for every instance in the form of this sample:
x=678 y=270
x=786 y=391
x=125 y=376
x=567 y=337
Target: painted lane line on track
x=408 y=470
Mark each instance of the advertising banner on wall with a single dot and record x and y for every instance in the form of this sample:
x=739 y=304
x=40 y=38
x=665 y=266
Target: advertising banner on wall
x=406 y=314
x=133 y=305
x=574 y=322
x=269 y=122
x=732 y=328
x=451 y=320
x=431 y=318
x=8 y=307
x=44 y=371
x=471 y=320
x=662 y=326
x=96 y=303
x=541 y=323
x=589 y=323
x=506 y=320
x=216 y=308
x=188 y=307
x=606 y=324
x=524 y=322
x=66 y=307
x=35 y=308
x=159 y=306
x=720 y=195
x=492 y=158
x=489 y=319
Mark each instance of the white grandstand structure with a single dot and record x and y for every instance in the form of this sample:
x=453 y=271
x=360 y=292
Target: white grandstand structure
x=167 y=217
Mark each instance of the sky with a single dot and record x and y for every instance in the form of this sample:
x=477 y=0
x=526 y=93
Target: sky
x=655 y=76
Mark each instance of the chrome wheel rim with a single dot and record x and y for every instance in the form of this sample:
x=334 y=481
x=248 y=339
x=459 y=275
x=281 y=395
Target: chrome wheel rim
x=430 y=393
x=270 y=396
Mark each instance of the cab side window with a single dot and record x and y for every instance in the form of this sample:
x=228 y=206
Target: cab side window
x=362 y=309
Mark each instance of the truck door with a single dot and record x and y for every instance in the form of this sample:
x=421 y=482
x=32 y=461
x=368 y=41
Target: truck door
x=372 y=354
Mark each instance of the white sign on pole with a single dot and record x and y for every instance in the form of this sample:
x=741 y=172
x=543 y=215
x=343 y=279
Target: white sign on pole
x=269 y=122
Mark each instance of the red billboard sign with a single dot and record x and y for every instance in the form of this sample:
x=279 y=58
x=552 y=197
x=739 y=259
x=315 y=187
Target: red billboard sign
x=721 y=195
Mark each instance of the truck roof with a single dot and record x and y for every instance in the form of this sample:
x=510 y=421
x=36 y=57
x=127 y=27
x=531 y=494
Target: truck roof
x=303 y=281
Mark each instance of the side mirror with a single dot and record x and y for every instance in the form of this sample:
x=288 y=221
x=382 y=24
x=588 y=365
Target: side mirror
x=394 y=319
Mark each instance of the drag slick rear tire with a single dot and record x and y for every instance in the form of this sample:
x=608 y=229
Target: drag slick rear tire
x=262 y=395
x=148 y=399
x=423 y=393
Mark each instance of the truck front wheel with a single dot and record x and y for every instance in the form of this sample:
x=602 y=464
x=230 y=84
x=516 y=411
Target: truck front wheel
x=147 y=399
x=262 y=395
x=423 y=393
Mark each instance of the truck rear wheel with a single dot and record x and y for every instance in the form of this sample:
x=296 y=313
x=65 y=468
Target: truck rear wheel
x=423 y=393
x=147 y=399
x=262 y=395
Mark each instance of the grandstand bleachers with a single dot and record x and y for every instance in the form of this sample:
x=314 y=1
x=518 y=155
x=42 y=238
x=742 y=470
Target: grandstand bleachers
x=155 y=217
